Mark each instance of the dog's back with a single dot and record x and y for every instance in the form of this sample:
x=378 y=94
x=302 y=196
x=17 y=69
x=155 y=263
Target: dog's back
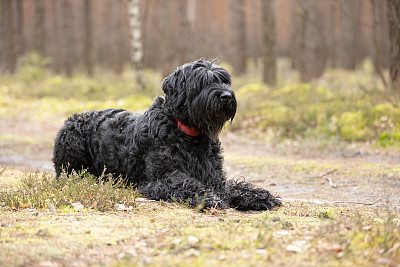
x=86 y=137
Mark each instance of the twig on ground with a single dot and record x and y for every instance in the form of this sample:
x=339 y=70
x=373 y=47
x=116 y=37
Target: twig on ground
x=337 y=202
x=331 y=182
x=322 y=175
x=361 y=203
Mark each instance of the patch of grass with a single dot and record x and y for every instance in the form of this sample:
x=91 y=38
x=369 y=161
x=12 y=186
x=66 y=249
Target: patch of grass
x=33 y=81
x=339 y=106
x=37 y=190
x=34 y=93
x=45 y=107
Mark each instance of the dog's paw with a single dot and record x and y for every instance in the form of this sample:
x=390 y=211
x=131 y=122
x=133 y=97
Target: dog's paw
x=211 y=200
x=218 y=204
x=268 y=203
x=254 y=199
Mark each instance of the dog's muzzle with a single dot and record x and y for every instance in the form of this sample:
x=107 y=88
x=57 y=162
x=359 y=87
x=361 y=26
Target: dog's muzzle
x=226 y=97
x=228 y=104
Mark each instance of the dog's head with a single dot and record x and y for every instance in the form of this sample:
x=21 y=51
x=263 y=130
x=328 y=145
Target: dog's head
x=198 y=94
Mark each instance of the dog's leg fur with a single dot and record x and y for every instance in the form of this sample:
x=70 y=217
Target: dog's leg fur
x=179 y=187
x=244 y=196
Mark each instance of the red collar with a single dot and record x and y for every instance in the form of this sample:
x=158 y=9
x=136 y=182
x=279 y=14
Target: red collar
x=186 y=129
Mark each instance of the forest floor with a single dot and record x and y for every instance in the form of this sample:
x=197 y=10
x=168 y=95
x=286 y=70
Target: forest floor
x=341 y=207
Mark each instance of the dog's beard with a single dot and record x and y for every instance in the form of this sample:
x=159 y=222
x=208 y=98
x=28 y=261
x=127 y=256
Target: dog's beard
x=210 y=114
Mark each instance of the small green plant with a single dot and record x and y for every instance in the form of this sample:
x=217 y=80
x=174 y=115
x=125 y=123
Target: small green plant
x=33 y=67
x=37 y=190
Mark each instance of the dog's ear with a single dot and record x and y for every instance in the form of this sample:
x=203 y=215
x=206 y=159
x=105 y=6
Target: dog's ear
x=167 y=85
x=173 y=84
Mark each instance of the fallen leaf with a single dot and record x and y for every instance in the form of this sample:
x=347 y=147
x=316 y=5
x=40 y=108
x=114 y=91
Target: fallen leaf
x=367 y=228
x=142 y=199
x=132 y=252
x=192 y=239
x=336 y=248
x=384 y=261
x=77 y=206
x=300 y=243
x=191 y=252
x=261 y=252
x=282 y=233
x=141 y=244
x=122 y=207
x=293 y=248
x=47 y=264
x=52 y=208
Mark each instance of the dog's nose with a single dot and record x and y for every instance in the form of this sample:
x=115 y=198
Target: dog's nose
x=226 y=96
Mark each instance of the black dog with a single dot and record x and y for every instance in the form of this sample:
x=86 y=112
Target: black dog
x=172 y=151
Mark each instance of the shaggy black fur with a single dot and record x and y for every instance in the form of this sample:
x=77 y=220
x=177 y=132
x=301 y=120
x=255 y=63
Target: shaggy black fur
x=157 y=156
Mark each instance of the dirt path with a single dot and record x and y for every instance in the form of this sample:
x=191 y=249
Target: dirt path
x=348 y=177
x=293 y=173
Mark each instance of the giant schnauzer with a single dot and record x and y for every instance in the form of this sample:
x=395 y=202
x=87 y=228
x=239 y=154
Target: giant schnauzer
x=172 y=150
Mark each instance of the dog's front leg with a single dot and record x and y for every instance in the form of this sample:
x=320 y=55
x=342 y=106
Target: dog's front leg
x=244 y=196
x=178 y=186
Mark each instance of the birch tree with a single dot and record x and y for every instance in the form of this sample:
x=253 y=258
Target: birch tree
x=136 y=41
x=269 y=57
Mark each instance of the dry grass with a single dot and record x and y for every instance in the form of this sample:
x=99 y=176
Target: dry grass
x=165 y=234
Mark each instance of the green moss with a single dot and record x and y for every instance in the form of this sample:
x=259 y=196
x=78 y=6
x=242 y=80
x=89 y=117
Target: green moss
x=353 y=126
x=250 y=89
x=303 y=93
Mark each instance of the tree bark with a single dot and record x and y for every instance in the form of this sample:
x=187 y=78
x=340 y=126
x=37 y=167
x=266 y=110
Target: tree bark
x=311 y=54
x=269 y=57
x=377 y=44
x=66 y=36
x=394 y=36
x=88 y=39
x=136 y=41
x=348 y=51
x=7 y=50
x=39 y=27
x=165 y=38
x=184 y=29
x=238 y=36
x=20 y=27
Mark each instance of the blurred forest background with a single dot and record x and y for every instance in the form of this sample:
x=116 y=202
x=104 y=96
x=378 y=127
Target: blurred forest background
x=81 y=35
x=301 y=67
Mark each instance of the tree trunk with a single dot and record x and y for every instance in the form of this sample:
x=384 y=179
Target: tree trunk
x=66 y=36
x=378 y=58
x=394 y=36
x=20 y=28
x=88 y=39
x=184 y=30
x=136 y=41
x=311 y=54
x=269 y=57
x=165 y=38
x=39 y=27
x=7 y=50
x=238 y=36
x=348 y=51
